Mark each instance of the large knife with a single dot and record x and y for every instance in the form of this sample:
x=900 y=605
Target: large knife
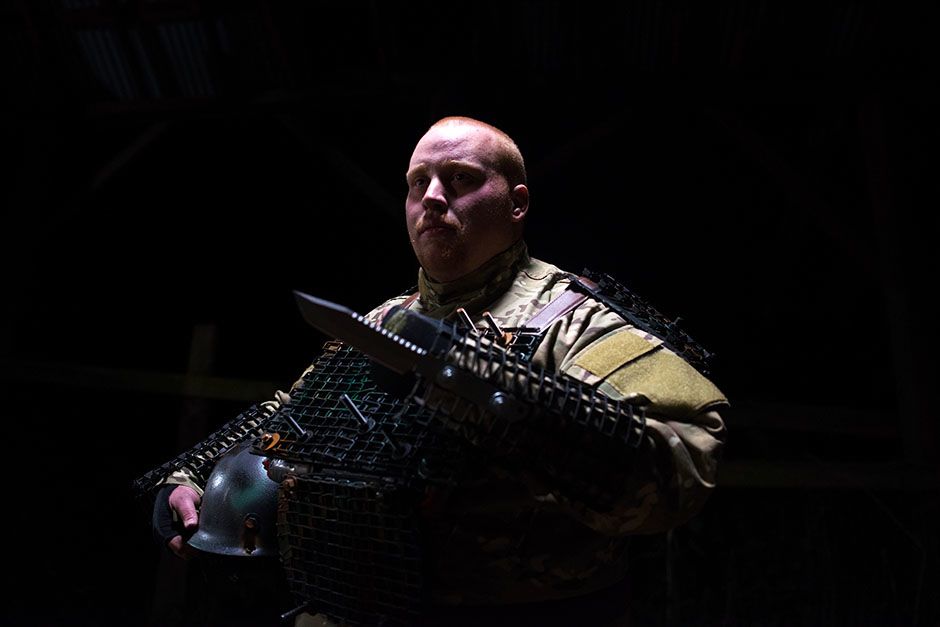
x=401 y=355
x=392 y=351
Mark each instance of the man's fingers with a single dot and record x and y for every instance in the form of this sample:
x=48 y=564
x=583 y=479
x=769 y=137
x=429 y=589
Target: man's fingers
x=184 y=501
x=269 y=408
x=180 y=548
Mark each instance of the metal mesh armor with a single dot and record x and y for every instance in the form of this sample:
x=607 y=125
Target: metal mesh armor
x=349 y=512
x=200 y=460
x=643 y=315
x=348 y=528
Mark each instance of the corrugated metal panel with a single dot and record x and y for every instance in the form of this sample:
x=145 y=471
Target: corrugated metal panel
x=149 y=78
x=108 y=62
x=181 y=69
x=225 y=43
x=187 y=48
x=117 y=57
x=845 y=28
x=198 y=49
x=643 y=34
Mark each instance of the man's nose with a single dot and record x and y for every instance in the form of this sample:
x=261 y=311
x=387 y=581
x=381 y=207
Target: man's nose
x=435 y=198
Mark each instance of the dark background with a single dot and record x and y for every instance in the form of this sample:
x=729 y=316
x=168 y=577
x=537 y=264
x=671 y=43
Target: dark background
x=176 y=168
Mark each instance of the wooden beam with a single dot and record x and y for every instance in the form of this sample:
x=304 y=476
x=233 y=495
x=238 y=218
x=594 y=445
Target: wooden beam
x=892 y=233
x=749 y=414
x=733 y=474
x=126 y=156
x=381 y=198
x=578 y=145
x=811 y=419
x=145 y=382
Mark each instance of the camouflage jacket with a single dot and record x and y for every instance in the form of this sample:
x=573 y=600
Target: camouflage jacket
x=511 y=535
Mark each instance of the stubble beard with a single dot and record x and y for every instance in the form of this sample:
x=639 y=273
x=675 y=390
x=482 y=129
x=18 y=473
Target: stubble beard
x=446 y=255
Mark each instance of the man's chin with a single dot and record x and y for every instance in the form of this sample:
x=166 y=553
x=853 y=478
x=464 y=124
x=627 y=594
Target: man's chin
x=441 y=262
x=439 y=249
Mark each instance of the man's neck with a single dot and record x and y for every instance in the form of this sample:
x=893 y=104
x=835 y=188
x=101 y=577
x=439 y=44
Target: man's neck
x=476 y=288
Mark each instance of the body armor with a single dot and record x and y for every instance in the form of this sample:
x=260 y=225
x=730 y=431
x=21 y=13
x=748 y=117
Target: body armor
x=380 y=487
x=348 y=514
x=362 y=465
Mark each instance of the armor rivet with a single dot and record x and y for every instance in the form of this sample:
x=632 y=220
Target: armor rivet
x=270 y=440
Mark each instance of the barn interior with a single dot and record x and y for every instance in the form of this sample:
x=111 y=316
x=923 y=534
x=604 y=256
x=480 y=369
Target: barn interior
x=178 y=167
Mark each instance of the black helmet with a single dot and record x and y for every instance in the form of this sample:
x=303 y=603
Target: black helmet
x=239 y=508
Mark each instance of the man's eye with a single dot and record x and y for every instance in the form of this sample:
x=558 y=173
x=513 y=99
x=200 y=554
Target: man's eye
x=461 y=177
x=419 y=182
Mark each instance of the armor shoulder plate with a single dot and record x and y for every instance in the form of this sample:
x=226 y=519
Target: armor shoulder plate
x=674 y=388
x=641 y=314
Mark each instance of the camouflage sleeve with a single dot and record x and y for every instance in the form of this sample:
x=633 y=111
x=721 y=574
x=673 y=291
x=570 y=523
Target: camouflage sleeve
x=379 y=312
x=671 y=477
x=192 y=468
x=183 y=476
x=614 y=467
x=674 y=471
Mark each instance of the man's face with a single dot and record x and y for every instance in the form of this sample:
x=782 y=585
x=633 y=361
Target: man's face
x=459 y=209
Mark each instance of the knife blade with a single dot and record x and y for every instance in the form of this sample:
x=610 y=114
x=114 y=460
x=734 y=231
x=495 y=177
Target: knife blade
x=391 y=350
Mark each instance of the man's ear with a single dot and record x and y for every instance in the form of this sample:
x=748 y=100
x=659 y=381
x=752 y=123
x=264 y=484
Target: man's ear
x=520 y=202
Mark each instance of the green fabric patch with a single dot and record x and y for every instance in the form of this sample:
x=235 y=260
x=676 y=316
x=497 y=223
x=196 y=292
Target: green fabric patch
x=676 y=389
x=610 y=353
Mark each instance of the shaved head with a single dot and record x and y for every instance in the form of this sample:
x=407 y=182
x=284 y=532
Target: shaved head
x=509 y=160
x=467 y=199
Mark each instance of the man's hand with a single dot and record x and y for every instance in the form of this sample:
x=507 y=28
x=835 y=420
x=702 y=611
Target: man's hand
x=184 y=501
x=175 y=515
x=270 y=407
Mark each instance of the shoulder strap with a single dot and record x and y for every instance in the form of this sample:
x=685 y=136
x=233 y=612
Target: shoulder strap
x=544 y=317
x=556 y=308
x=635 y=310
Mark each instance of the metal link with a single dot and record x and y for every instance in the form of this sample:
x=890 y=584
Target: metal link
x=200 y=459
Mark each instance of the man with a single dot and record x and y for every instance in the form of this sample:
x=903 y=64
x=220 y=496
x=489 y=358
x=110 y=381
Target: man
x=530 y=522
